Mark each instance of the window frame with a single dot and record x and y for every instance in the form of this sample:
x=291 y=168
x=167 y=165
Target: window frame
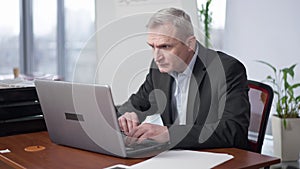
x=26 y=38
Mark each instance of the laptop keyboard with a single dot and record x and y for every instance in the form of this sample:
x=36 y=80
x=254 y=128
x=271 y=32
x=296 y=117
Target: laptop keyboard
x=143 y=144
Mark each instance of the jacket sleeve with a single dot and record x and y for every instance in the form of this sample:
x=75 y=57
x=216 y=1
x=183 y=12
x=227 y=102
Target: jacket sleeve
x=142 y=102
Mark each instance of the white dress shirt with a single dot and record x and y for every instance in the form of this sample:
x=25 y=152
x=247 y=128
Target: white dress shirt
x=180 y=89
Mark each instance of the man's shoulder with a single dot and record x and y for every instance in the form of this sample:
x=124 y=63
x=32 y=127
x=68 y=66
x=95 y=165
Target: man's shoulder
x=226 y=57
x=209 y=55
x=229 y=60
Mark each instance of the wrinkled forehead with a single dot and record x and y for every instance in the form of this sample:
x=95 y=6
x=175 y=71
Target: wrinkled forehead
x=164 y=33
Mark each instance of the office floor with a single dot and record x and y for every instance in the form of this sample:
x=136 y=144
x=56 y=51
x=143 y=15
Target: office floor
x=267 y=149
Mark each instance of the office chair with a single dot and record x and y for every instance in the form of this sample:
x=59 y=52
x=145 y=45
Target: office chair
x=260 y=97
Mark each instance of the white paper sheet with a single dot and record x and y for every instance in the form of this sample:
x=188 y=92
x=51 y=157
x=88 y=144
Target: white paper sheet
x=5 y=151
x=179 y=159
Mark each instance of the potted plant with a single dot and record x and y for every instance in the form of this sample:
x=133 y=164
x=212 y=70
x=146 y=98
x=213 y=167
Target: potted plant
x=206 y=18
x=286 y=123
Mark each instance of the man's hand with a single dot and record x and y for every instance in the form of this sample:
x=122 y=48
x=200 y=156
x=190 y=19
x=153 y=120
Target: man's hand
x=128 y=121
x=148 y=131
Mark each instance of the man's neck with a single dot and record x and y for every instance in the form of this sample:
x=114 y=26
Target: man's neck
x=190 y=58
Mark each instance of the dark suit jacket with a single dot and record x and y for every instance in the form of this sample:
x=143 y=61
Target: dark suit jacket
x=218 y=107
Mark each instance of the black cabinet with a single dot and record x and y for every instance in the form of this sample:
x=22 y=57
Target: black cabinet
x=20 y=111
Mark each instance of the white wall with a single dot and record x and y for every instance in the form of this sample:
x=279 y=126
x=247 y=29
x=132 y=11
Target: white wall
x=266 y=30
x=123 y=55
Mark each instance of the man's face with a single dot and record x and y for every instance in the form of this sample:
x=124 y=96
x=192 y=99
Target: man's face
x=169 y=53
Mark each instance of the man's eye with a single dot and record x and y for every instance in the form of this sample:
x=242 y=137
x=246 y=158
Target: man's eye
x=166 y=46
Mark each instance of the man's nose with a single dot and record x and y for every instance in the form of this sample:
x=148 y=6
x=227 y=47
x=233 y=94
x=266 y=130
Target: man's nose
x=157 y=54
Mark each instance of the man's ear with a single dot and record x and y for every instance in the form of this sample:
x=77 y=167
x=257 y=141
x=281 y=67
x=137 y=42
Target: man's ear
x=191 y=43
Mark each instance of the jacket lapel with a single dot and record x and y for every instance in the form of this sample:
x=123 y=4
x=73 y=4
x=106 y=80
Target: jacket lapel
x=199 y=72
x=193 y=104
x=166 y=83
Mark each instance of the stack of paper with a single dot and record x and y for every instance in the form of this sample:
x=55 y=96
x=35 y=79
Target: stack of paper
x=178 y=159
x=14 y=83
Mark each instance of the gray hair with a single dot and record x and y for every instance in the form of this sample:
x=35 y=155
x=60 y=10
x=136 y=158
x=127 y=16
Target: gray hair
x=178 y=18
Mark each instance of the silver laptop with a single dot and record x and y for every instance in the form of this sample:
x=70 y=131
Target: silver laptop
x=84 y=116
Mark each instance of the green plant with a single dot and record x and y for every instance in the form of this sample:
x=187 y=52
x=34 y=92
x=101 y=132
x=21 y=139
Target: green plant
x=287 y=104
x=206 y=18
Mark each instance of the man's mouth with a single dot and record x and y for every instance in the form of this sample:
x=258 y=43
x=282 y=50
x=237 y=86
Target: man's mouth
x=161 y=64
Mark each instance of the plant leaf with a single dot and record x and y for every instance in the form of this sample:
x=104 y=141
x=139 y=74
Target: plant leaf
x=291 y=95
x=285 y=72
x=270 y=78
x=291 y=70
x=283 y=99
x=268 y=64
x=279 y=109
x=287 y=104
x=295 y=86
x=276 y=93
x=297 y=99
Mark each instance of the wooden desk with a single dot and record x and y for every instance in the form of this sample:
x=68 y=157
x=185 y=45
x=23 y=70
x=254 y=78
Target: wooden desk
x=56 y=156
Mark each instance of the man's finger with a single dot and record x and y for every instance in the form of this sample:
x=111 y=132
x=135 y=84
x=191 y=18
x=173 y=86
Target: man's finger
x=135 y=124
x=129 y=125
x=124 y=125
x=137 y=132
x=130 y=140
x=120 y=124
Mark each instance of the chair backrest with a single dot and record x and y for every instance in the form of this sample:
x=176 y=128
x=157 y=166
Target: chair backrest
x=260 y=97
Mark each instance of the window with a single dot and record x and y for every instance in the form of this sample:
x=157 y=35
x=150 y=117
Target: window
x=9 y=35
x=79 y=26
x=218 y=9
x=45 y=37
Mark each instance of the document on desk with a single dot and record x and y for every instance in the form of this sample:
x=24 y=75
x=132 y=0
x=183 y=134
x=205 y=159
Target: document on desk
x=178 y=159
